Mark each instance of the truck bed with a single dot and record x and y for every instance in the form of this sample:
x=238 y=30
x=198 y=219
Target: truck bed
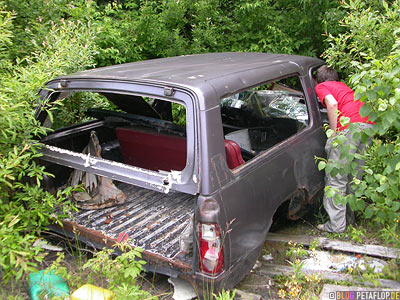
x=152 y=220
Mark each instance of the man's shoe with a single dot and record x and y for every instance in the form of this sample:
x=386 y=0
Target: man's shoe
x=321 y=227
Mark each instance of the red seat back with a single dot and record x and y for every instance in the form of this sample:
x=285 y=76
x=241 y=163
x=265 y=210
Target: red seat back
x=233 y=154
x=154 y=151
x=150 y=150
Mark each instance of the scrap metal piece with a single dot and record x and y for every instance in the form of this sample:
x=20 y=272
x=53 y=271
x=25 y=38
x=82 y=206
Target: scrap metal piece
x=182 y=289
x=100 y=192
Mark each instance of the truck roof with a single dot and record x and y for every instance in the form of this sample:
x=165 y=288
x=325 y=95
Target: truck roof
x=225 y=73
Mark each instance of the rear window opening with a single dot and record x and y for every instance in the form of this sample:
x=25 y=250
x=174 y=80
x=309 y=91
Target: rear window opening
x=143 y=132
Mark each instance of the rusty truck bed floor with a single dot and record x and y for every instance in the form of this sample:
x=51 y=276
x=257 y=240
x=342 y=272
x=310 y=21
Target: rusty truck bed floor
x=152 y=220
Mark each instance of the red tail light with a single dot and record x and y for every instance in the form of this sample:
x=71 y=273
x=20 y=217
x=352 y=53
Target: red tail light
x=211 y=259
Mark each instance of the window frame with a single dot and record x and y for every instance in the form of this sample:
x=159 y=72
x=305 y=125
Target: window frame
x=163 y=181
x=269 y=153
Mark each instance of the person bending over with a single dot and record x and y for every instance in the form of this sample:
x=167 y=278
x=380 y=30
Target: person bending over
x=339 y=101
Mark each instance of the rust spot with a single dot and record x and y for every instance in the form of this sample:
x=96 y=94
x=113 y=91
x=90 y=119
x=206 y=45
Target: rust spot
x=108 y=219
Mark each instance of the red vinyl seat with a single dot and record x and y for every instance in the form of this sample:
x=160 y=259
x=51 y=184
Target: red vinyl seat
x=233 y=154
x=151 y=150
x=154 y=151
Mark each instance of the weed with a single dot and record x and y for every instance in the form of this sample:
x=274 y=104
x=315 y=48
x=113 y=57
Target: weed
x=299 y=285
x=356 y=234
x=296 y=252
x=225 y=295
x=314 y=245
x=120 y=273
x=391 y=232
x=392 y=270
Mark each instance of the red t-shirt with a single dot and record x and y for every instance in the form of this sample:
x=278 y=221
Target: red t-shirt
x=345 y=98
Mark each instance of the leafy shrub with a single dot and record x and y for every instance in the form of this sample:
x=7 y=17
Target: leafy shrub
x=25 y=209
x=367 y=32
x=35 y=19
x=370 y=49
x=121 y=273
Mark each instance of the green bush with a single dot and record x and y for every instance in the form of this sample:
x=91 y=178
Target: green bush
x=370 y=50
x=25 y=209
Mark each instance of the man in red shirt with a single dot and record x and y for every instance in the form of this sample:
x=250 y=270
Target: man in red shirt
x=339 y=101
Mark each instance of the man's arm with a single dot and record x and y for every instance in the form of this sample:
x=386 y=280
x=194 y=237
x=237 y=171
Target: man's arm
x=331 y=106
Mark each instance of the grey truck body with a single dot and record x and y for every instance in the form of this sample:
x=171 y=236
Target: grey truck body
x=241 y=200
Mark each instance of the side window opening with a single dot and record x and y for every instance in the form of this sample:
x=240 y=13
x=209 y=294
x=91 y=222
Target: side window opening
x=323 y=111
x=257 y=119
x=143 y=132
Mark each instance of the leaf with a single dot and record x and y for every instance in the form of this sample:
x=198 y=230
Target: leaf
x=329 y=192
x=321 y=165
x=369 y=212
x=360 y=204
x=365 y=110
x=329 y=133
x=344 y=121
x=396 y=206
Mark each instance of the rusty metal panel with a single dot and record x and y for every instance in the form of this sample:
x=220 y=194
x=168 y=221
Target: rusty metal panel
x=152 y=220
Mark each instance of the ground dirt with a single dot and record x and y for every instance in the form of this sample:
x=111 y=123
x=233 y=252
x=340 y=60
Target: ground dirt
x=157 y=285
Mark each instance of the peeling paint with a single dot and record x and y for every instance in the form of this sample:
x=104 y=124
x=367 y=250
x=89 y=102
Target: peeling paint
x=176 y=175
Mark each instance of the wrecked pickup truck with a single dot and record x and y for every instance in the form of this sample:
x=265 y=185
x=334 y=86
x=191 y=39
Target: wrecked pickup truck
x=195 y=152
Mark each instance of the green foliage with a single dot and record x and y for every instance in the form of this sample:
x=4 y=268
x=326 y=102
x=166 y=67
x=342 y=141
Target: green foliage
x=121 y=272
x=225 y=295
x=25 y=208
x=370 y=51
x=296 y=252
x=391 y=233
x=43 y=39
x=118 y=274
x=34 y=21
x=137 y=30
x=6 y=34
x=72 y=110
x=299 y=285
x=368 y=31
x=281 y=26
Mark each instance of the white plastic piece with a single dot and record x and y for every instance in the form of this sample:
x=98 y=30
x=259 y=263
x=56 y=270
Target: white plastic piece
x=268 y=257
x=182 y=289
x=41 y=243
x=208 y=232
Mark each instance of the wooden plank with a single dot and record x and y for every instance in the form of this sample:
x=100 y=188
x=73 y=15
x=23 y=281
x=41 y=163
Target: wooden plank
x=273 y=270
x=371 y=250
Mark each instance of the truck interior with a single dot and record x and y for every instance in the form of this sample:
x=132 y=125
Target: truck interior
x=141 y=132
x=259 y=118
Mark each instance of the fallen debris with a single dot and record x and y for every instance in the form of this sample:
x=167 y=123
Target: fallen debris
x=324 y=261
x=182 y=289
x=256 y=265
x=42 y=243
x=92 y=292
x=371 y=250
x=273 y=270
x=46 y=284
x=267 y=257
